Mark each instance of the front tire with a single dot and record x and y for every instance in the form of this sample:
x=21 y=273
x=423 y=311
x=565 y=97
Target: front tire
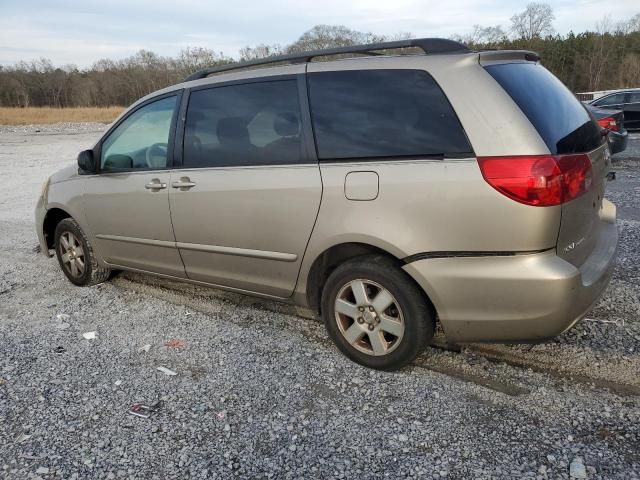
x=75 y=255
x=375 y=313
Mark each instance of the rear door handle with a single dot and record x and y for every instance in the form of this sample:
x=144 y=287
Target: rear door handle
x=184 y=183
x=155 y=184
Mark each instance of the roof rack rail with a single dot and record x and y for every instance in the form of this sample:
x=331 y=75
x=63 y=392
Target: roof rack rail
x=430 y=46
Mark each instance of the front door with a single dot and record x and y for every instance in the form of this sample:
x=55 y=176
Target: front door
x=127 y=203
x=244 y=203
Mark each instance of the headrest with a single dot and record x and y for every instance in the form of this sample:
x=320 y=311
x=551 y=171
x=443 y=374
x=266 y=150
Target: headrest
x=232 y=130
x=286 y=124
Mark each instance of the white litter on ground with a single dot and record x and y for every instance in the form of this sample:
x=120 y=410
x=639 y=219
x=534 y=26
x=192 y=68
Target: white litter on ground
x=166 y=371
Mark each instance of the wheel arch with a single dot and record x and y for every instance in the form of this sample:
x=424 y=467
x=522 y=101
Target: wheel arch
x=332 y=257
x=51 y=220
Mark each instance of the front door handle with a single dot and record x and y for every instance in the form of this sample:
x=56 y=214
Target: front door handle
x=184 y=183
x=155 y=184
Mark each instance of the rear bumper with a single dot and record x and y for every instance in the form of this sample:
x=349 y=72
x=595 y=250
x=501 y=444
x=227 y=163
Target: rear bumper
x=519 y=298
x=618 y=141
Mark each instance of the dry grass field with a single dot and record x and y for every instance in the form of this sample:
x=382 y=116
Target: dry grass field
x=34 y=115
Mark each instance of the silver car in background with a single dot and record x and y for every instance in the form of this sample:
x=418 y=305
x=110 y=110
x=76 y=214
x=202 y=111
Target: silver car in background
x=384 y=192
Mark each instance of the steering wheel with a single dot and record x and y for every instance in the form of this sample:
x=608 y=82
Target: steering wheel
x=156 y=155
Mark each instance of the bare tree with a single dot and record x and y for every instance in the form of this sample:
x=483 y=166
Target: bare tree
x=599 y=52
x=260 y=51
x=630 y=71
x=17 y=90
x=629 y=26
x=535 y=22
x=486 y=36
x=192 y=59
x=630 y=62
x=604 y=58
x=328 y=36
x=400 y=36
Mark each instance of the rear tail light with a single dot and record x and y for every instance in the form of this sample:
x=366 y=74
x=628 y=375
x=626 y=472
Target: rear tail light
x=539 y=180
x=609 y=123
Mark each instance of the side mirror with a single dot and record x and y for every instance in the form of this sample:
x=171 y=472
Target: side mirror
x=86 y=162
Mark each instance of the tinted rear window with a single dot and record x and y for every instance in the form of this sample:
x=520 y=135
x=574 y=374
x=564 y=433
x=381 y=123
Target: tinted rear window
x=246 y=124
x=561 y=120
x=383 y=113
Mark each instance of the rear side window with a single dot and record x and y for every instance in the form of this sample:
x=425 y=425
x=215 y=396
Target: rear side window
x=247 y=124
x=383 y=113
x=615 y=99
x=560 y=119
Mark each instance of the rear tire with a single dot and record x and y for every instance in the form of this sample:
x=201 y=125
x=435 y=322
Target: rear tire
x=376 y=314
x=75 y=255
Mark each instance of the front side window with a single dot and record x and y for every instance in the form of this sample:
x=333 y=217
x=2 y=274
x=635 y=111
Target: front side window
x=247 y=124
x=141 y=140
x=615 y=99
x=383 y=113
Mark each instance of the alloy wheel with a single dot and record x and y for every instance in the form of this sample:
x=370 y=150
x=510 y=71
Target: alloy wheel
x=369 y=317
x=72 y=254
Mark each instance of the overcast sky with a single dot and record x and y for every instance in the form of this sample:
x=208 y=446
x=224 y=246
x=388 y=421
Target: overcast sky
x=82 y=31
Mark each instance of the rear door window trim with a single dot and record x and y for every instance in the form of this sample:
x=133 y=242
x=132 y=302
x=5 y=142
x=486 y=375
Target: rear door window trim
x=309 y=154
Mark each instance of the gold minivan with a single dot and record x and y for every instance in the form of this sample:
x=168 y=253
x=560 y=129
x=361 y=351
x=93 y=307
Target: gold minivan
x=385 y=192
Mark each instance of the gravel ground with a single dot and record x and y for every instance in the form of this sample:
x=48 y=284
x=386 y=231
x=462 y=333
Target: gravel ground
x=261 y=393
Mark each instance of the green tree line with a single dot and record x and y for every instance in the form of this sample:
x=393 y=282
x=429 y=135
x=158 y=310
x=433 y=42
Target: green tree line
x=606 y=58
